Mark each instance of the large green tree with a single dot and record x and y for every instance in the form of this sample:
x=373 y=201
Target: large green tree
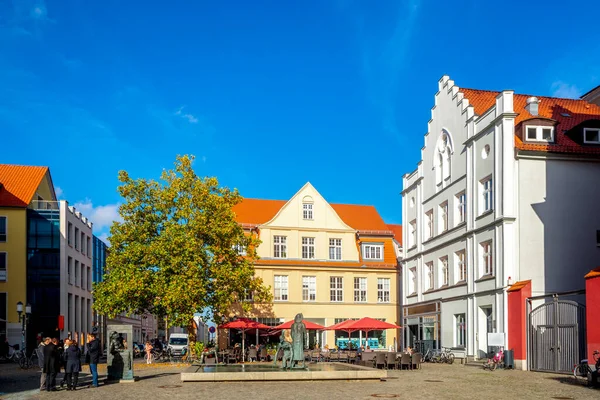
x=177 y=250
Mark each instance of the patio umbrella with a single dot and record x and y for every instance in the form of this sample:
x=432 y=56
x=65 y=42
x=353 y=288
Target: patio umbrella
x=311 y=326
x=370 y=324
x=244 y=325
x=343 y=326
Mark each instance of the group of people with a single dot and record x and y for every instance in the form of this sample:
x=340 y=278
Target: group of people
x=54 y=356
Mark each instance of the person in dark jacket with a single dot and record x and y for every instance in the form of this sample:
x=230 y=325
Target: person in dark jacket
x=40 y=353
x=72 y=359
x=51 y=364
x=94 y=351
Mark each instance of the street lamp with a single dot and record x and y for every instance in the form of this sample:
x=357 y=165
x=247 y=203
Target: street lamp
x=24 y=320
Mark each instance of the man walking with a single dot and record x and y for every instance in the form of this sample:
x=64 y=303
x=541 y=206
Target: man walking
x=94 y=351
x=51 y=364
x=40 y=354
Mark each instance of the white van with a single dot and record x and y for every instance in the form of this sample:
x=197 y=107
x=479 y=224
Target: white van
x=178 y=344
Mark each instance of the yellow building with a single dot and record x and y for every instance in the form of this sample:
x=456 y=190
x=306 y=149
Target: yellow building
x=329 y=262
x=20 y=186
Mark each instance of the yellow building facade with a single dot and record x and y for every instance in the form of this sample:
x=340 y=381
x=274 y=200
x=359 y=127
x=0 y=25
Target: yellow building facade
x=330 y=262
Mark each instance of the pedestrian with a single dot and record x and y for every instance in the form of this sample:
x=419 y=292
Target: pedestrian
x=40 y=353
x=148 y=349
x=61 y=357
x=72 y=359
x=51 y=364
x=94 y=351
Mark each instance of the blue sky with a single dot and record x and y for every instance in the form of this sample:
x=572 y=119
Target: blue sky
x=267 y=94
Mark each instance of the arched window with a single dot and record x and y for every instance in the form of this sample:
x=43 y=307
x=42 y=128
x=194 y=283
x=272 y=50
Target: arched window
x=443 y=159
x=307 y=207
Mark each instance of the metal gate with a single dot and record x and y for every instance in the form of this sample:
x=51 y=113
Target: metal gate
x=556 y=336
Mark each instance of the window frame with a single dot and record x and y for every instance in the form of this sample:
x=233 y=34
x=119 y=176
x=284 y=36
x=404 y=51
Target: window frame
x=70 y=234
x=70 y=270
x=76 y=238
x=443 y=217
x=487 y=194
x=336 y=289
x=360 y=289
x=539 y=129
x=5 y=234
x=279 y=246
x=585 y=131
x=487 y=258
x=460 y=326
x=335 y=245
x=383 y=294
x=308 y=244
x=283 y=291
x=413 y=280
x=430 y=225
x=461 y=209
x=308 y=211
x=309 y=294
x=367 y=252
x=444 y=273
x=5 y=267
x=430 y=276
x=412 y=233
x=461 y=266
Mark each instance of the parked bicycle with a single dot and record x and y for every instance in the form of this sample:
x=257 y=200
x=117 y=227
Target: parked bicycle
x=582 y=372
x=435 y=356
x=495 y=360
x=28 y=362
x=446 y=356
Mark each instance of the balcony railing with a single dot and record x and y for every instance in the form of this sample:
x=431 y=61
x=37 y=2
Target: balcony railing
x=44 y=205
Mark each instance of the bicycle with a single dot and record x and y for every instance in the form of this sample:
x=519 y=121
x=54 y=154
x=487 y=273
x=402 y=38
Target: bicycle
x=446 y=356
x=497 y=359
x=582 y=371
x=28 y=362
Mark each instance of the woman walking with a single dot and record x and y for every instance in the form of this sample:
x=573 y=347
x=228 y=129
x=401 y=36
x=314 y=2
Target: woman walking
x=73 y=365
x=148 y=349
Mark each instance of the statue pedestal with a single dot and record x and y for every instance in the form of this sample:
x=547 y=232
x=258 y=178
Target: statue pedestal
x=119 y=354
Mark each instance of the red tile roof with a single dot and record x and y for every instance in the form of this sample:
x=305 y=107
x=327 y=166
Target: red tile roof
x=549 y=107
x=397 y=229
x=595 y=273
x=518 y=285
x=19 y=183
x=361 y=218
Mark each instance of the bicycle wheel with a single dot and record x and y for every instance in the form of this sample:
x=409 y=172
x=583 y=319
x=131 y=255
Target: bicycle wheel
x=443 y=358
x=493 y=366
x=580 y=373
x=450 y=358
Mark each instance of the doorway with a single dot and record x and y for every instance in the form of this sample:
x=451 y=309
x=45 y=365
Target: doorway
x=486 y=325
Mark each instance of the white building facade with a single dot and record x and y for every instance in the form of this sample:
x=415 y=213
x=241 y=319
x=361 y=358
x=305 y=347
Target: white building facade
x=76 y=259
x=506 y=191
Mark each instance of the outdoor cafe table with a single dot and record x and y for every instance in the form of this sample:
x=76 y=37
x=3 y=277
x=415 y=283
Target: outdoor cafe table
x=224 y=355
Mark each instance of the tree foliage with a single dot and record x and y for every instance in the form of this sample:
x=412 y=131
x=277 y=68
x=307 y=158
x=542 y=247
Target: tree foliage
x=177 y=250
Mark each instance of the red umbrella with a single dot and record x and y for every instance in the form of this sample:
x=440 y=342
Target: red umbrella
x=343 y=326
x=311 y=326
x=370 y=324
x=244 y=325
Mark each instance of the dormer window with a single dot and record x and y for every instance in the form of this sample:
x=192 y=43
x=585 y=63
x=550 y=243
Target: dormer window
x=591 y=135
x=307 y=208
x=540 y=133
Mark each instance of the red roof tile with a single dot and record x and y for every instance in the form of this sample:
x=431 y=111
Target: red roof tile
x=549 y=107
x=397 y=229
x=19 y=184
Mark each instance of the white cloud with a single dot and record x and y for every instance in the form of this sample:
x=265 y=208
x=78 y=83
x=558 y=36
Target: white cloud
x=190 y=117
x=104 y=238
x=101 y=216
x=564 y=90
x=58 y=191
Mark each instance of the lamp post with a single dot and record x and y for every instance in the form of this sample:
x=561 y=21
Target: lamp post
x=24 y=320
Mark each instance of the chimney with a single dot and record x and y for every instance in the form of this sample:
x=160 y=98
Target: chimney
x=532 y=106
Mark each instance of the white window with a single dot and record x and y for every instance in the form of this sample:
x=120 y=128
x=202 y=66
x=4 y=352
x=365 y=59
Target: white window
x=591 y=135
x=240 y=249
x=335 y=249
x=443 y=212
x=3 y=265
x=430 y=276
x=487 y=195
x=281 y=288
x=280 y=246
x=461 y=330
x=308 y=247
x=3 y=230
x=412 y=234
x=373 y=251
x=443 y=271
x=309 y=288
x=461 y=207
x=461 y=266
x=486 y=258
x=429 y=224
x=307 y=210
x=383 y=290
x=438 y=169
x=336 y=288
x=360 y=290
x=540 y=133
x=412 y=285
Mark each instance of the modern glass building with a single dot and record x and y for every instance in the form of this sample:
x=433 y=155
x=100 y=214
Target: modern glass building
x=99 y=264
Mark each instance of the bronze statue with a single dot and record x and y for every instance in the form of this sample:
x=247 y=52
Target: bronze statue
x=298 y=341
x=285 y=344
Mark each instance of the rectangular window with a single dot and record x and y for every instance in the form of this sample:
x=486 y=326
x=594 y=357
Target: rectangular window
x=429 y=224
x=591 y=135
x=82 y=243
x=308 y=247
x=280 y=246
x=248 y=295
x=443 y=225
x=70 y=270
x=76 y=238
x=412 y=288
x=443 y=271
x=540 y=133
x=240 y=249
x=3 y=265
x=373 y=251
x=487 y=195
x=307 y=211
x=76 y=273
x=461 y=266
x=486 y=258
x=360 y=290
x=70 y=234
x=309 y=288
x=383 y=290
x=461 y=207
x=336 y=289
x=3 y=229
x=281 y=288
x=88 y=247
x=461 y=330
x=430 y=276
x=335 y=249
x=89 y=278
x=412 y=234
x=82 y=276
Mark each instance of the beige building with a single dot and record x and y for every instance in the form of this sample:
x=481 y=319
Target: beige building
x=329 y=262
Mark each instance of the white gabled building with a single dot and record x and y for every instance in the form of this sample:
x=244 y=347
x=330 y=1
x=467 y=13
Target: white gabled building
x=507 y=190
